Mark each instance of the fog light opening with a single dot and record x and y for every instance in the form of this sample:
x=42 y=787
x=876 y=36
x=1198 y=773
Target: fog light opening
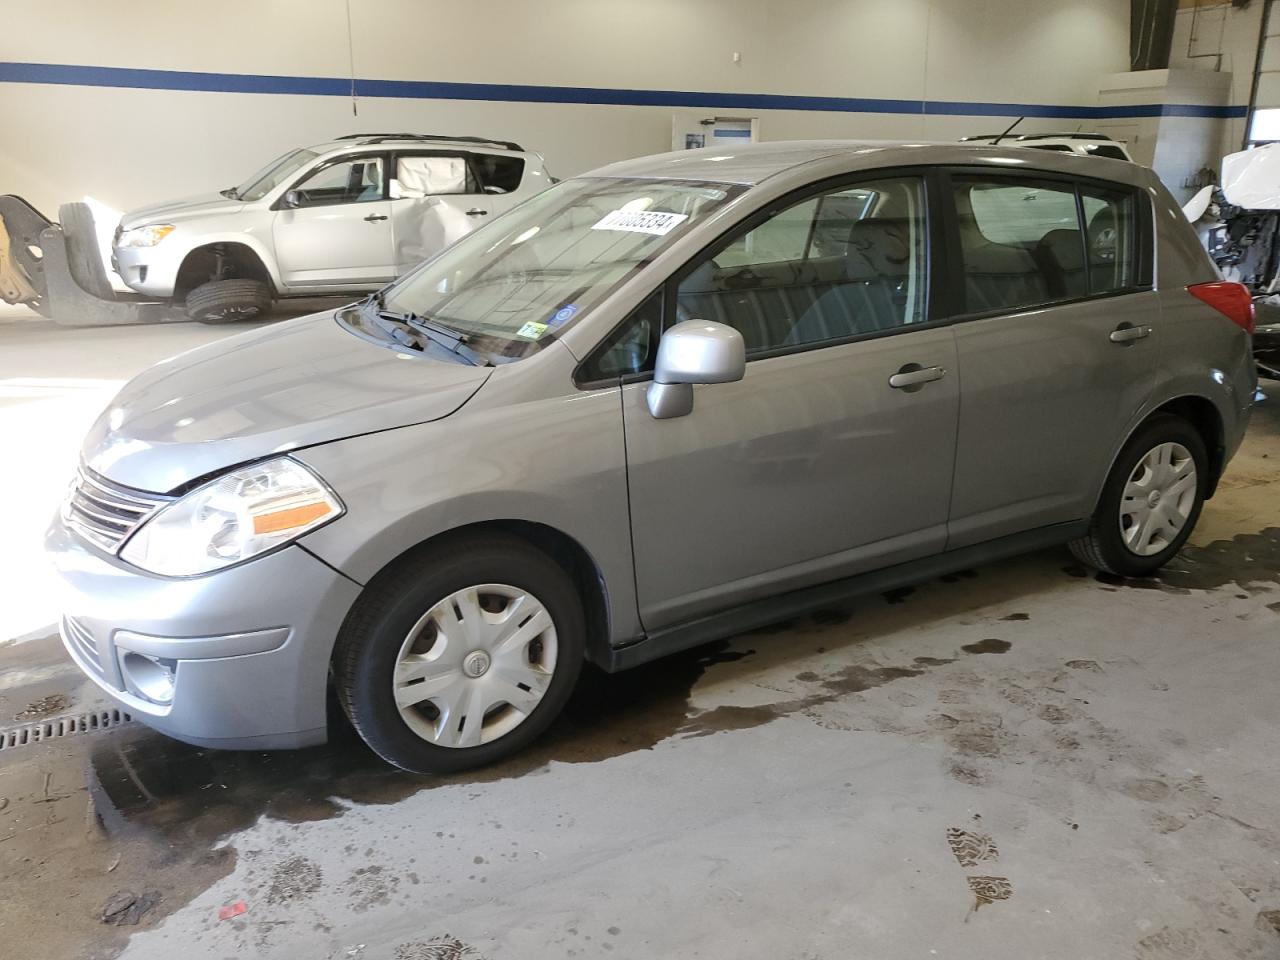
x=150 y=677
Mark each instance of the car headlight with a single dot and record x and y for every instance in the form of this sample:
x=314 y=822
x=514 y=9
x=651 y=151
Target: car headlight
x=147 y=236
x=240 y=515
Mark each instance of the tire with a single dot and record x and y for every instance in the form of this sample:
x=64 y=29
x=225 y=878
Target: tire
x=1106 y=545
x=84 y=252
x=229 y=301
x=400 y=605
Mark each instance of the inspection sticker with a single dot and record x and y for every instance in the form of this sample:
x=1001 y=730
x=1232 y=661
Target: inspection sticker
x=532 y=330
x=563 y=316
x=641 y=221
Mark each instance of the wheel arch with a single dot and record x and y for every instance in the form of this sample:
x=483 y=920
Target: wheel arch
x=198 y=264
x=1198 y=410
x=564 y=550
x=1201 y=413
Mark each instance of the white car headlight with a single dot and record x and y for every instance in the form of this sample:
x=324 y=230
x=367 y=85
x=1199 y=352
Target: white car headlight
x=240 y=515
x=147 y=236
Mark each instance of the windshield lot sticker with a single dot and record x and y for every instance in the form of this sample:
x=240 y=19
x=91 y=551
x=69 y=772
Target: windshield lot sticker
x=532 y=330
x=641 y=221
x=562 y=316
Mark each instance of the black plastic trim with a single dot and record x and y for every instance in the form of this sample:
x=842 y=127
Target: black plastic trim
x=760 y=613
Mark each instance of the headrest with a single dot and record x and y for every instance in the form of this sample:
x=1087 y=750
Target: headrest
x=1066 y=248
x=879 y=247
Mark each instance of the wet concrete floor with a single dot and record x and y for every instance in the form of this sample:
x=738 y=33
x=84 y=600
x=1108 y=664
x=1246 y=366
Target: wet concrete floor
x=1021 y=760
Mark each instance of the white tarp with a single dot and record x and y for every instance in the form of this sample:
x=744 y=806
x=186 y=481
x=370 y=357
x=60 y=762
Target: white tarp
x=1251 y=178
x=430 y=176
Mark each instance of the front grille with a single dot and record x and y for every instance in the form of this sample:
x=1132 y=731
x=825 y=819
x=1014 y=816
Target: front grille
x=105 y=513
x=82 y=643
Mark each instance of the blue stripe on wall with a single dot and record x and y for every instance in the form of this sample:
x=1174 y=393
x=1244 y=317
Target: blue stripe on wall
x=76 y=75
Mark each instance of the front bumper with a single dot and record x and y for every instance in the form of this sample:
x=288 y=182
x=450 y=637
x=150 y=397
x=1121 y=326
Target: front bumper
x=250 y=644
x=150 y=271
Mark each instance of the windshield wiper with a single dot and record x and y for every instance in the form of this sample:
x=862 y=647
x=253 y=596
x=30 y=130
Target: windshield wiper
x=399 y=325
x=230 y=193
x=453 y=340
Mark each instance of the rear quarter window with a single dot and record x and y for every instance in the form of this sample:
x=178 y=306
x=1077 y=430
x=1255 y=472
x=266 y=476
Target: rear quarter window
x=499 y=174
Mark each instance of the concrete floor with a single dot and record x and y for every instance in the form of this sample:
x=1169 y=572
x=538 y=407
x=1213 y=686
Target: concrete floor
x=1022 y=761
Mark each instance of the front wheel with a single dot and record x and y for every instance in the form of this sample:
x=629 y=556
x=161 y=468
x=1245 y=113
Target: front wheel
x=1150 y=502
x=228 y=301
x=458 y=657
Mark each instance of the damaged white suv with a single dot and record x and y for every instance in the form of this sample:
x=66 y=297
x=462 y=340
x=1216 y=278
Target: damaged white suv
x=341 y=217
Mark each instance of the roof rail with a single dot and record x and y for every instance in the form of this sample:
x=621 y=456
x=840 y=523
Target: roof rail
x=430 y=137
x=1063 y=136
x=1037 y=136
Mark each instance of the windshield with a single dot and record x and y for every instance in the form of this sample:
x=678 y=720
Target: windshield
x=512 y=284
x=274 y=174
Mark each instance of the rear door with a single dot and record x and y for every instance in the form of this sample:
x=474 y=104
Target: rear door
x=834 y=454
x=436 y=200
x=1057 y=338
x=339 y=233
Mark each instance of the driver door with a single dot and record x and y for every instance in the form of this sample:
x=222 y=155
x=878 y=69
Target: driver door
x=337 y=230
x=834 y=454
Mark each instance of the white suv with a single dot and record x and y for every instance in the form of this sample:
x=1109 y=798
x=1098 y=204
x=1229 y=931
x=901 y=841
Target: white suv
x=1086 y=144
x=341 y=217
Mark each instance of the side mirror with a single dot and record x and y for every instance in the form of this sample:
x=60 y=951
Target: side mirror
x=695 y=351
x=292 y=199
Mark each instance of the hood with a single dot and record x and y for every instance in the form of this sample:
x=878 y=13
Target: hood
x=290 y=385
x=186 y=208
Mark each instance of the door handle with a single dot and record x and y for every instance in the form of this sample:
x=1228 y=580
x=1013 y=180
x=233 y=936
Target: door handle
x=1127 y=333
x=912 y=377
x=477 y=212
x=374 y=217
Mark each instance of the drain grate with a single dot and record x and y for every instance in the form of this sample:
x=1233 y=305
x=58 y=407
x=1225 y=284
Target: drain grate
x=92 y=722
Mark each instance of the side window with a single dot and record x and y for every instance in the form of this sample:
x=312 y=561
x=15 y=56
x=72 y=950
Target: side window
x=1021 y=243
x=433 y=176
x=780 y=239
x=351 y=181
x=846 y=263
x=499 y=174
x=1111 y=227
x=632 y=348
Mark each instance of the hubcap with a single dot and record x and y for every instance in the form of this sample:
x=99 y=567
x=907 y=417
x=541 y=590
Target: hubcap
x=1158 y=499
x=475 y=666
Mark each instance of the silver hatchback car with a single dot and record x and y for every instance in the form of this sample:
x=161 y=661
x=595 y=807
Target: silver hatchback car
x=673 y=399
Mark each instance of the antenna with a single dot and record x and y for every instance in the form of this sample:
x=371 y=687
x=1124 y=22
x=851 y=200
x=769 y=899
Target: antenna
x=1007 y=131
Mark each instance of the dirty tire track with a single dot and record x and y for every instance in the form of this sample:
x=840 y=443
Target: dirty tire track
x=293 y=879
x=444 y=947
x=969 y=848
x=987 y=890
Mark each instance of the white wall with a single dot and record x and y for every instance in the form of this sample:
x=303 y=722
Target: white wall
x=1214 y=35
x=127 y=146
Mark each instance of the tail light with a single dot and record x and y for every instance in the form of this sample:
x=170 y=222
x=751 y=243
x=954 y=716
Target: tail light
x=1232 y=300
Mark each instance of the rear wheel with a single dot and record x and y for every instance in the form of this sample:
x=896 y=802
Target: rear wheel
x=227 y=301
x=1151 y=500
x=458 y=657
